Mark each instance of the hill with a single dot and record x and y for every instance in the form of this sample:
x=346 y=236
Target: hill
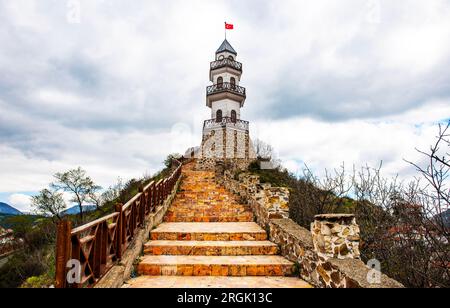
x=445 y=217
x=6 y=209
x=75 y=210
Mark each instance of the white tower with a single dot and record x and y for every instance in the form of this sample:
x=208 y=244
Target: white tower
x=225 y=135
x=225 y=96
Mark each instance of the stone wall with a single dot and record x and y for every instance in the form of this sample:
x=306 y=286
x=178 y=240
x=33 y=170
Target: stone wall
x=327 y=256
x=267 y=202
x=336 y=236
x=122 y=271
x=297 y=245
x=225 y=144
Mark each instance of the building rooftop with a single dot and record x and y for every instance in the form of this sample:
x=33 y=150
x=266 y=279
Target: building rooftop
x=226 y=46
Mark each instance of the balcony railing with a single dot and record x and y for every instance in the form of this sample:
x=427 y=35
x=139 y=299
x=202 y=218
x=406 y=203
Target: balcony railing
x=226 y=121
x=226 y=87
x=226 y=63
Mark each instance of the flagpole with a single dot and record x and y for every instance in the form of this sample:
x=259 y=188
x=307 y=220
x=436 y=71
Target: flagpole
x=225 y=30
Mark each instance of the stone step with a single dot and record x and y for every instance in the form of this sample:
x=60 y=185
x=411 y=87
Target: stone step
x=201 y=218
x=210 y=231
x=211 y=248
x=221 y=208
x=249 y=282
x=215 y=266
x=174 y=215
x=198 y=200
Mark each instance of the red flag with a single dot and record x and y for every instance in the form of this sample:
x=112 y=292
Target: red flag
x=229 y=26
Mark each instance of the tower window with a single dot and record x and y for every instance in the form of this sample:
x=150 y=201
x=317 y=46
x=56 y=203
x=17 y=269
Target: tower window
x=233 y=116
x=219 y=116
x=220 y=82
x=233 y=82
x=231 y=58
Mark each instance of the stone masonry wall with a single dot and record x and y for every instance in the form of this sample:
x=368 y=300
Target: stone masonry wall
x=267 y=202
x=225 y=145
x=327 y=256
x=336 y=236
x=297 y=245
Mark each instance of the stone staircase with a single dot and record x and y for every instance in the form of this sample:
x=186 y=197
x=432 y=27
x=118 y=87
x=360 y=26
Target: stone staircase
x=208 y=239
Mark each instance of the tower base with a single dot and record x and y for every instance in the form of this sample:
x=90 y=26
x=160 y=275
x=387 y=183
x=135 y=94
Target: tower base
x=225 y=145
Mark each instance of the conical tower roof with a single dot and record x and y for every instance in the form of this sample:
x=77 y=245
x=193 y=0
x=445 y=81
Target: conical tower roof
x=226 y=47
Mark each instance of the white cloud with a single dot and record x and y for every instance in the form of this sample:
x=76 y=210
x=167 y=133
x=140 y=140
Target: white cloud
x=323 y=145
x=327 y=81
x=21 y=202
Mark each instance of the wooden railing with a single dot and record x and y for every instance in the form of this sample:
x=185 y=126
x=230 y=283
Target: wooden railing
x=96 y=246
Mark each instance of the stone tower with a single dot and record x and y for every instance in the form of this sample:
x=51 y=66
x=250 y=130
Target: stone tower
x=225 y=136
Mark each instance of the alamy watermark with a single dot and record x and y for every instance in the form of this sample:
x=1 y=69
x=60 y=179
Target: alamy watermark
x=374 y=274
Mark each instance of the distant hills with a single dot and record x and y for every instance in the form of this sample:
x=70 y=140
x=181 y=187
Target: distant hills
x=445 y=218
x=6 y=209
x=74 y=210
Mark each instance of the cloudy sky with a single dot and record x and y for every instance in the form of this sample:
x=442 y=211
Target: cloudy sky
x=119 y=86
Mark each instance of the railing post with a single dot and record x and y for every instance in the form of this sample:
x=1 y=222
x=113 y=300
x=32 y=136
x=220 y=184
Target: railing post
x=119 y=231
x=96 y=255
x=166 y=189
x=63 y=252
x=142 y=205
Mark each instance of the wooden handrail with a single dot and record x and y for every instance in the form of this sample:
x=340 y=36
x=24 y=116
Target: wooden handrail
x=99 y=244
x=93 y=223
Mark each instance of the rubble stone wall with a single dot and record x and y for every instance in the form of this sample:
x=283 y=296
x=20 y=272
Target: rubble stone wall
x=326 y=256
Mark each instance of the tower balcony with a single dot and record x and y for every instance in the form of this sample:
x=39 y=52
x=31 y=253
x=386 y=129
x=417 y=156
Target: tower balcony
x=225 y=90
x=226 y=122
x=226 y=63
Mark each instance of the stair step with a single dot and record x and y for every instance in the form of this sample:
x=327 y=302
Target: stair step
x=201 y=217
x=210 y=231
x=216 y=282
x=208 y=211
x=211 y=248
x=215 y=266
x=240 y=218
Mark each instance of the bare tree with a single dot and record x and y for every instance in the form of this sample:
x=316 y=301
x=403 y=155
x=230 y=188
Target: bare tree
x=113 y=192
x=49 y=202
x=78 y=183
x=96 y=198
x=435 y=207
x=400 y=222
x=437 y=171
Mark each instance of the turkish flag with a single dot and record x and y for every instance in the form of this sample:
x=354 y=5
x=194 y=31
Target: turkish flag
x=229 y=26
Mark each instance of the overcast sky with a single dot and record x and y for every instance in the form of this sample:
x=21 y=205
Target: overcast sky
x=123 y=85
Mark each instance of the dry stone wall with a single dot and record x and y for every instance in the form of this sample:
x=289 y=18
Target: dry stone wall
x=327 y=256
x=267 y=202
x=336 y=236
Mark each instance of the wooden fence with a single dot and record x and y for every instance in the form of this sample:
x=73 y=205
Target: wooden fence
x=98 y=245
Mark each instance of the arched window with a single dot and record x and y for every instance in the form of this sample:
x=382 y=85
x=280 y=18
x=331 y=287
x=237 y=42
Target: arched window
x=220 y=82
x=233 y=116
x=219 y=116
x=221 y=57
x=233 y=82
x=231 y=58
